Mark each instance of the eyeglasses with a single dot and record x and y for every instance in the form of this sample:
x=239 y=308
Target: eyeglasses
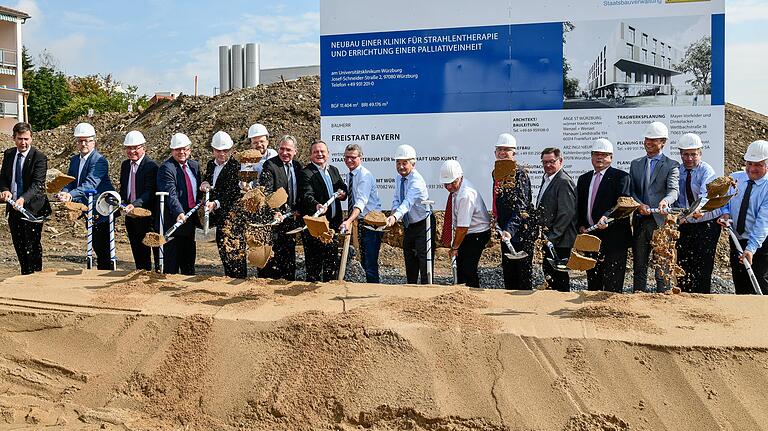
x=549 y=162
x=84 y=141
x=134 y=148
x=183 y=150
x=351 y=157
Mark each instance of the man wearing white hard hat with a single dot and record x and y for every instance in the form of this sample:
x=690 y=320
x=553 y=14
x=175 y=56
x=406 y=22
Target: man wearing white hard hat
x=259 y=139
x=654 y=185
x=282 y=172
x=511 y=207
x=597 y=192
x=748 y=211
x=467 y=217
x=179 y=176
x=698 y=234
x=410 y=192
x=91 y=172
x=221 y=179
x=138 y=184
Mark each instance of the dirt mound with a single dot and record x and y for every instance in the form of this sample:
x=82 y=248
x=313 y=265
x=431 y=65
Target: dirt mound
x=596 y=422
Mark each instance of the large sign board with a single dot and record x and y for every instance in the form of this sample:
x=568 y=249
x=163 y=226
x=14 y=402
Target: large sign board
x=448 y=76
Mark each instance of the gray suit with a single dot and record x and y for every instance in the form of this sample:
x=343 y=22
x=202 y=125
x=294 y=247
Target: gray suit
x=556 y=213
x=663 y=185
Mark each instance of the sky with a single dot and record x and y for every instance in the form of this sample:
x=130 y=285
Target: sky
x=160 y=45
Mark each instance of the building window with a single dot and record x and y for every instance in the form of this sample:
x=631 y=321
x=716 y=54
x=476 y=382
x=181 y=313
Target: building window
x=655 y=45
x=631 y=35
x=629 y=51
x=645 y=39
x=653 y=58
x=645 y=56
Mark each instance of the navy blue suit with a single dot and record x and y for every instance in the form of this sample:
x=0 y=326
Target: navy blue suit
x=180 y=254
x=94 y=176
x=137 y=228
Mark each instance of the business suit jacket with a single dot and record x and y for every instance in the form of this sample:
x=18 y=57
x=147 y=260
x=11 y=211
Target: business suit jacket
x=170 y=179
x=663 y=185
x=33 y=178
x=146 y=183
x=614 y=184
x=557 y=210
x=226 y=189
x=511 y=204
x=313 y=192
x=273 y=177
x=94 y=175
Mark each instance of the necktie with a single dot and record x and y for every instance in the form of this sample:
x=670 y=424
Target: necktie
x=688 y=189
x=190 y=192
x=447 y=234
x=80 y=169
x=132 y=183
x=19 y=179
x=541 y=190
x=291 y=190
x=329 y=186
x=595 y=186
x=742 y=220
x=406 y=222
x=495 y=187
x=351 y=200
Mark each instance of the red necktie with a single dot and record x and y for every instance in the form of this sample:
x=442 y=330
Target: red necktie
x=495 y=188
x=447 y=237
x=190 y=192
x=132 y=183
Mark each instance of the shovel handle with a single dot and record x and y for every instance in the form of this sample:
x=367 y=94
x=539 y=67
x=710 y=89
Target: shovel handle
x=747 y=266
x=187 y=215
x=597 y=225
x=327 y=203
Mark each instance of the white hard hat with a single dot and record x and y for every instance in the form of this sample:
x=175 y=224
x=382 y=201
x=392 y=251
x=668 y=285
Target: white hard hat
x=657 y=130
x=506 y=140
x=180 y=140
x=84 y=130
x=257 y=130
x=602 y=145
x=689 y=141
x=757 y=151
x=405 y=152
x=221 y=141
x=134 y=138
x=450 y=171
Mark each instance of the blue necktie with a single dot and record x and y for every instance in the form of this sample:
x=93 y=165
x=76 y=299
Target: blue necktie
x=406 y=222
x=329 y=187
x=19 y=179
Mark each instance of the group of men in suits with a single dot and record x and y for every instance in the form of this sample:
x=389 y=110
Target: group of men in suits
x=560 y=210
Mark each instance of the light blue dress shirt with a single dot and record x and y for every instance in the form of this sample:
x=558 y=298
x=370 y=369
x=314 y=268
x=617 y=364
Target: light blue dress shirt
x=700 y=176
x=365 y=191
x=757 y=212
x=410 y=205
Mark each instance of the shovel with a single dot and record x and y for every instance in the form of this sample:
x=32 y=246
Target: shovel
x=555 y=262
x=137 y=212
x=344 y=253
x=283 y=217
x=318 y=212
x=207 y=213
x=750 y=272
x=512 y=254
x=26 y=215
x=153 y=239
x=375 y=229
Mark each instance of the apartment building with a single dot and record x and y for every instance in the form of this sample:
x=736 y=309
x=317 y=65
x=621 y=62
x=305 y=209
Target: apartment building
x=635 y=61
x=11 y=81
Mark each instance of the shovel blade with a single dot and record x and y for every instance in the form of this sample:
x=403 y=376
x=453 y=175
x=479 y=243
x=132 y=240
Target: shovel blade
x=516 y=256
x=557 y=266
x=297 y=230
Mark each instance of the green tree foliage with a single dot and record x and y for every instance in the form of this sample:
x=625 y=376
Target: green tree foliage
x=56 y=99
x=48 y=92
x=698 y=61
x=100 y=93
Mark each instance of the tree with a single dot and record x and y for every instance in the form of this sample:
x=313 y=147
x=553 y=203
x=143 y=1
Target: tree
x=48 y=93
x=26 y=60
x=698 y=61
x=100 y=93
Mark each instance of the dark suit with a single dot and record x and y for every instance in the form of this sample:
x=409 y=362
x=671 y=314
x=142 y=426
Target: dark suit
x=556 y=214
x=93 y=176
x=663 y=186
x=611 y=266
x=510 y=208
x=272 y=178
x=180 y=254
x=227 y=193
x=26 y=236
x=137 y=228
x=322 y=260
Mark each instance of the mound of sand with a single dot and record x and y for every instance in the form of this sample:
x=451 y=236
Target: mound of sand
x=215 y=353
